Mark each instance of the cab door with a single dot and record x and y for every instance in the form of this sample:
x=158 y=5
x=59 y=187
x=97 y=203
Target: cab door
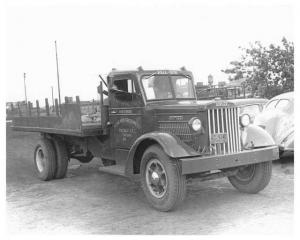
x=126 y=111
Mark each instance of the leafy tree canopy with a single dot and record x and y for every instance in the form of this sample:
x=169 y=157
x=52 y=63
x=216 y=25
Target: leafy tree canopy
x=267 y=70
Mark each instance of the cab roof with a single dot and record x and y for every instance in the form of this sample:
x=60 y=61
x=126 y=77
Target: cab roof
x=141 y=72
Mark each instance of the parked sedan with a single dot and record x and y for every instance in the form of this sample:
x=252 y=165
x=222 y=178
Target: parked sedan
x=251 y=106
x=277 y=118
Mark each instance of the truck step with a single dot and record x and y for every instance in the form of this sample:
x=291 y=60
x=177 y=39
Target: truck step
x=114 y=169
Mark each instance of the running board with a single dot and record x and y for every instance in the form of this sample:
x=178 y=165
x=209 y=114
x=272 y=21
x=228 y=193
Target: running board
x=114 y=169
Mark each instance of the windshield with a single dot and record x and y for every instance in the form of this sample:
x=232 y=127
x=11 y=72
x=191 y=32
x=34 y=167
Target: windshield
x=158 y=87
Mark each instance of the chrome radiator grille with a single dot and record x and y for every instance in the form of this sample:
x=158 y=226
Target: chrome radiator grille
x=224 y=130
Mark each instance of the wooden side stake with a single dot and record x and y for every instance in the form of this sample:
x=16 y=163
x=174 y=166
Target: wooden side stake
x=37 y=108
x=56 y=107
x=29 y=108
x=47 y=106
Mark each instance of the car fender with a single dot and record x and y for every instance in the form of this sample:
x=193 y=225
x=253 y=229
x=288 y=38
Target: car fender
x=255 y=136
x=277 y=123
x=172 y=146
x=288 y=143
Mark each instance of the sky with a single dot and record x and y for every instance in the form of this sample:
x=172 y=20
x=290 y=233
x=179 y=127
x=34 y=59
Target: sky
x=95 y=37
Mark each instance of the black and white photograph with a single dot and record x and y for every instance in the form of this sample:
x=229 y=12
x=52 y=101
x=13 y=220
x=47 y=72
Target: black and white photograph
x=148 y=117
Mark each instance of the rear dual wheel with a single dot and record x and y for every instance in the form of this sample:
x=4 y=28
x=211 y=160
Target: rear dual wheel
x=50 y=159
x=62 y=159
x=45 y=160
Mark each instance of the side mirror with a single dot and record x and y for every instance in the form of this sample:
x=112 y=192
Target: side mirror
x=103 y=91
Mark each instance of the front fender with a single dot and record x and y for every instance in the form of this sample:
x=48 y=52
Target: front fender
x=171 y=145
x=255 y=136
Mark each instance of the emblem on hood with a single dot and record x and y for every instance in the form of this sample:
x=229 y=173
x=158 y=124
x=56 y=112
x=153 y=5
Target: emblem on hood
x=175 y=118
x=221 y=103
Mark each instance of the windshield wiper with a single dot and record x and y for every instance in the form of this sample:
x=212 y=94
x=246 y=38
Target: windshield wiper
x=186 y=76
x=150 y=75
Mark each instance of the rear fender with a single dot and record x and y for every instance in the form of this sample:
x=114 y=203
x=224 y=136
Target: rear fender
x=171 y=145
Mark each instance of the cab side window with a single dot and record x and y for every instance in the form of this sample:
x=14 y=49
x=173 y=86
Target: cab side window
x=125 y=85
x=123 y=91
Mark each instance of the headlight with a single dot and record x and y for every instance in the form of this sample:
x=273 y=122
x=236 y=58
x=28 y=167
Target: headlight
x=195 y=124
x=245 y=120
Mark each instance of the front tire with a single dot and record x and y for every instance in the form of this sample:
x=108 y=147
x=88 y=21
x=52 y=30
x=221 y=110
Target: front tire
x=44 y=159
x=252 y=178
x=162 y=182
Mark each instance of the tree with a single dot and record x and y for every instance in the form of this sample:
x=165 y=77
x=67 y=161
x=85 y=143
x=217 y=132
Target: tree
x=269 y=70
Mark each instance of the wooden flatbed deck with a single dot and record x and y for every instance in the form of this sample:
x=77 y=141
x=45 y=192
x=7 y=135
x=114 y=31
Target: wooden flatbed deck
x=67 y=122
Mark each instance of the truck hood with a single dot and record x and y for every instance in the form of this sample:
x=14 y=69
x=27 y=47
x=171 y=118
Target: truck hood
x=201 y=105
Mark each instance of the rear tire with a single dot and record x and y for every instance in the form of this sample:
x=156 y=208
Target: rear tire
x=253 y=178
x=162 y=182
x=62 y=158
x=44 y=159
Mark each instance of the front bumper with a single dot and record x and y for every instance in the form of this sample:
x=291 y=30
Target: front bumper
x=216 y=162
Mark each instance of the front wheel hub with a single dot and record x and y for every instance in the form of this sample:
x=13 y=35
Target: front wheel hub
x=156 y=178
x=246 y=173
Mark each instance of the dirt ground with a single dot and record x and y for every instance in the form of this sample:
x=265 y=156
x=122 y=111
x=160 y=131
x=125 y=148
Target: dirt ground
x=92 y=202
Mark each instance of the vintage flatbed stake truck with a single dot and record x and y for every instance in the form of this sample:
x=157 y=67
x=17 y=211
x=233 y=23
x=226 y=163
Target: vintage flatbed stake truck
x=154 y=130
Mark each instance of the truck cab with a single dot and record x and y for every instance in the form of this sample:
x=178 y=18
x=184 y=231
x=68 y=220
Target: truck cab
x=140 y=102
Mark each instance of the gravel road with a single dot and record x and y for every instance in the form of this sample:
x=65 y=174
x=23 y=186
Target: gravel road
x=92 y=202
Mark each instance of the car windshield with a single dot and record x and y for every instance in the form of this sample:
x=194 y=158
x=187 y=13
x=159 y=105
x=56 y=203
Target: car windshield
x=284 y=105
x=250 y=109
x=158 y=87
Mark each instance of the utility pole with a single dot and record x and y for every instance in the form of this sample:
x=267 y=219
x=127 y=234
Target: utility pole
x=52 y=98
x=58 y=84
x=25 y=88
